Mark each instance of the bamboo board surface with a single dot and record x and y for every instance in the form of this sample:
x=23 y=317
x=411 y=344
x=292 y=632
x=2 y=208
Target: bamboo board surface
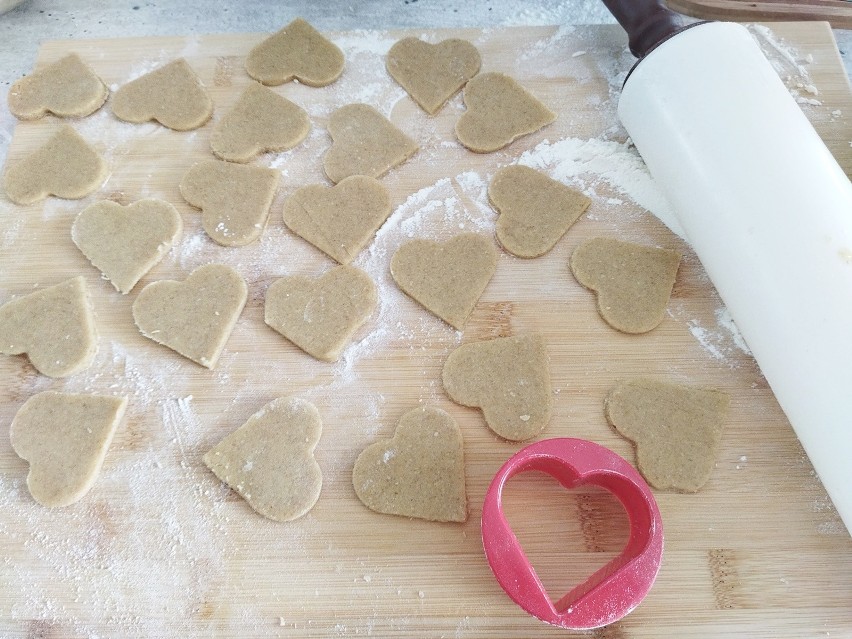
x=159 y=548
x=837 y=12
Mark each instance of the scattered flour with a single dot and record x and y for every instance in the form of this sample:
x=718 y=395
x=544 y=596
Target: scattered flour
x=720 y=341
x=151 y=63
x=9 y=231
x=537 y=50
x=784 y=58
x=707 y=339
x=791 y=66
x=434 y=212
x=148 y=564
x=585 y=162
x=810 y=101
x=364 y=51
x=724 y=319
x=360 y=42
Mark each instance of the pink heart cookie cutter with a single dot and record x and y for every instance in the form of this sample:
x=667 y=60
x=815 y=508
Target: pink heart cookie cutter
x=612 y=591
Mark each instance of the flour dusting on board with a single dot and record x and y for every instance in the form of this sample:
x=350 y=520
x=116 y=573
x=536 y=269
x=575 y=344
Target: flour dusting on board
x=162 y=560
x=435 y=212
x=721 y=338
x=587 y=161
x=790 y=65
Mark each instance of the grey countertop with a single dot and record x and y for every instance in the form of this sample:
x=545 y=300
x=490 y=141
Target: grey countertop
x=23 y=28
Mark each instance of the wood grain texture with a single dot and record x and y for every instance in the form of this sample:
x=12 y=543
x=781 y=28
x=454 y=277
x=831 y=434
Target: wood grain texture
x=836 y=12
x=159 y=548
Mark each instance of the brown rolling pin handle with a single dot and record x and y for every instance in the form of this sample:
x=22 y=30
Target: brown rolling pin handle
x=647 y=22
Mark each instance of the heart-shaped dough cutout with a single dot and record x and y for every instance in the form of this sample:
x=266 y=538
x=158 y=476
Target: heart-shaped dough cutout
x=633 y=282
x=54 y=326
x=269 y=460
x=297 y=51
x=172 y=95
x=68 y=88
x=234 y=199
x=508 y=378
x=535 y=210
x=499 y=111
x=447 y=278
x=194 y=317
x=676 y=429
x=364 y=143
x=64 y=438
x=260 y=121
x=320 y=315
x=65 y=166
x=432 y=73
x=125 y=242
x=419 y=472
x=341 y=220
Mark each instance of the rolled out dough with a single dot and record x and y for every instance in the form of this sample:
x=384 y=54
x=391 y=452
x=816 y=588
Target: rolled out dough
x=54 y=326
x=194 y=317
x=419 y=472
x=65 y=438
x=269 y=460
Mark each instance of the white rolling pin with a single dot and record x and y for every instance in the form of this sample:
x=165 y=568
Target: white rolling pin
x=769 y=213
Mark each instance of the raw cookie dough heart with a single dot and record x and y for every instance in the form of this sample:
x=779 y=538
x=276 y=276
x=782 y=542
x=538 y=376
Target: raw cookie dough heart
x=447 y=278
x=68 y=88
x=419 y=472
x=633 y=282
x=535 y=210
x=432 y=73
x=234 y=199
x=194 y=317
x=297 y=51
x=260 y=121
x=125 y=242
x=340 y=220
x=676 y=429
x=269 y=460
x=508 y=378
x=66 y=166
x=364 y=143
x=172 y=95
x=54 y=326
x=499 y=110
x=64 y=438
x=320 y=315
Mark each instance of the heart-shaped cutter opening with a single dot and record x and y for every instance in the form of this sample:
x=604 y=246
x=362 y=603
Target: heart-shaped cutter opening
x=612 y=591
x=567 y=535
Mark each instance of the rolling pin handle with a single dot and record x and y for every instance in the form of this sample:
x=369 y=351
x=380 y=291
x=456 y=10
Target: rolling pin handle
x=647 y=22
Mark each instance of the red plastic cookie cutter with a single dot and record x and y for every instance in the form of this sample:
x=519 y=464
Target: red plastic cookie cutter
x=614 y=590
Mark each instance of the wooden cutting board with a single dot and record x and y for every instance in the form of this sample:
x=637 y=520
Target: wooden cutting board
x=837 y=12
x=159 y=548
